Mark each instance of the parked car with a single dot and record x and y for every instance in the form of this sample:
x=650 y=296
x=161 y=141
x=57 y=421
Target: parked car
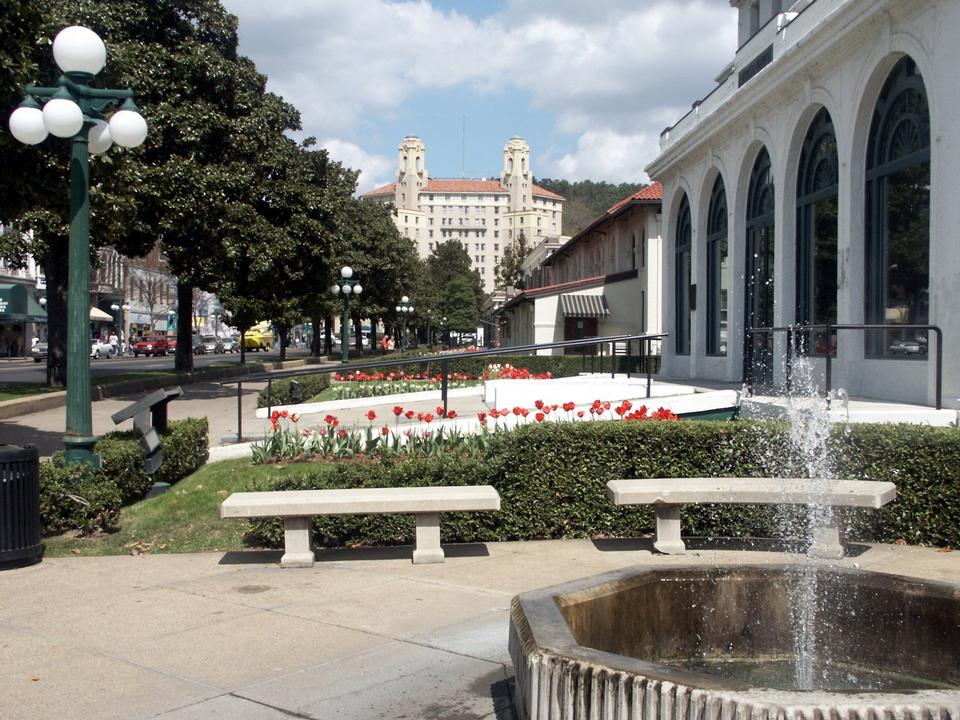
x=909 y=347
x=212 y=344
x=39 y=351
x=198 y=347
x=154 y=345
x=230 y=345
x=99 y=349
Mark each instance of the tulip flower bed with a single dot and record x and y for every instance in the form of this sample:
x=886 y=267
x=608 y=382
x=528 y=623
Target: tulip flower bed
x=288 y=441
x=552 y=478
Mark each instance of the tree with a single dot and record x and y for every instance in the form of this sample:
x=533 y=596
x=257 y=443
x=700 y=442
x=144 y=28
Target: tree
x=459 y=305
x=510 y=272
x=448 y=277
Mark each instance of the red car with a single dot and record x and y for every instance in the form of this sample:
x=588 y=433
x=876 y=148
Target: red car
x=154 y=345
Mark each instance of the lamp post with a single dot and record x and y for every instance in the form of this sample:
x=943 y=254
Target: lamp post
x=74 y=110
x=405 y=309
x=345 y=287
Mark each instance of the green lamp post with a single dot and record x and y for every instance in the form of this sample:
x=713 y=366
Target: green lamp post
x=345 y=287
x=405 y=309
x=75 y=111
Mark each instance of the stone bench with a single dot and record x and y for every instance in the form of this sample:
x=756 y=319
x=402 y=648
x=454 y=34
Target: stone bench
x=667 y=495
x=296 y=507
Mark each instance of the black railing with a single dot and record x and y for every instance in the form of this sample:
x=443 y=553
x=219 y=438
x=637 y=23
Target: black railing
x=644 y=342
x=797 y=340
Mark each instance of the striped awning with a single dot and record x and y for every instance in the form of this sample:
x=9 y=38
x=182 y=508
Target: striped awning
x=584 y=306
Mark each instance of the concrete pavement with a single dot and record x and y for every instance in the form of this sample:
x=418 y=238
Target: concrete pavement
x=363 y=634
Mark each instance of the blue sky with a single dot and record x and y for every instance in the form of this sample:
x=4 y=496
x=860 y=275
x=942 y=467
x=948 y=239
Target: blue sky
x=589 y=85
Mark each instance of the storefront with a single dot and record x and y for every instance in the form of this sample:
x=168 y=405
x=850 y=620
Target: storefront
x=21 y=319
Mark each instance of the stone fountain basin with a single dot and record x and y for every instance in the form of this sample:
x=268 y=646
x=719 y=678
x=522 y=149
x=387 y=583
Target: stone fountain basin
x=688 y=642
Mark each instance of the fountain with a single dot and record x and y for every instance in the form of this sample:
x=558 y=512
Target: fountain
x=804 y=638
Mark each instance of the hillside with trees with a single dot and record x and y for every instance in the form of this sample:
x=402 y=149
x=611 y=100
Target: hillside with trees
x=586 y=199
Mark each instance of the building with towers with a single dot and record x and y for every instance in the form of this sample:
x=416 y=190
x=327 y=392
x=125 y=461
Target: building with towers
x=486 y=215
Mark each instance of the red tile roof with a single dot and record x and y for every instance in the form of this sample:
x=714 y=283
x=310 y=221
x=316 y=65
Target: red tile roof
x=652 y=192
x=454 y=185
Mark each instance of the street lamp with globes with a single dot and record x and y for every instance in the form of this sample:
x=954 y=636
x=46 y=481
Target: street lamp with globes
x=74 y=110
x=345 y=287
x=405 y=309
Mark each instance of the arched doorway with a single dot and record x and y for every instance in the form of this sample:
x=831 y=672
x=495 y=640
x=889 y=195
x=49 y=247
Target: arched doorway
x=718 y=271
x=758 y=280
x=898 y=215
x=817 y=208
x=683 y=270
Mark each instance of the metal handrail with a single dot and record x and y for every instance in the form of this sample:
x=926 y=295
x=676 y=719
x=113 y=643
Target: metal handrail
x=644 y=340
x=793 y=330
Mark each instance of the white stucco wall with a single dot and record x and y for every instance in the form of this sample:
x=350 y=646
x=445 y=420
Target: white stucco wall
x=837 y=55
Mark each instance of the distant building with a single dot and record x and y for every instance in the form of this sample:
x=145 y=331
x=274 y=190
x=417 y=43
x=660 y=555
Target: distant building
x=604 y=281
x=816 y=184
x=485 y=215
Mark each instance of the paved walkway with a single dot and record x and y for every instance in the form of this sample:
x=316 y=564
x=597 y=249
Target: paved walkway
x=364 y=634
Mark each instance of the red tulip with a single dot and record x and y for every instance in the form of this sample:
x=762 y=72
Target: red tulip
x=371 y=415
x=428 y=418
x=409 y=414
x=539 y=416
x=397 y=410
x=384 y=430
x=539 y=404
x=341 y=433
x=452 y=414
x=482 y=416
x=294 y=417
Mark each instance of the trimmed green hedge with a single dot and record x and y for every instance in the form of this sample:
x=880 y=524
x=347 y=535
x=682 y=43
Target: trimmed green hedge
x=552 y=482
x=89 y=500
x=280 y=394
x=556 y=365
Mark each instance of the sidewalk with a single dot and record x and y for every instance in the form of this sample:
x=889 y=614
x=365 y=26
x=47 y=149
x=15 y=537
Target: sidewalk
x=364 y=634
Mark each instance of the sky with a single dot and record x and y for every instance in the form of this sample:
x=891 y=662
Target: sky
x=589 y=84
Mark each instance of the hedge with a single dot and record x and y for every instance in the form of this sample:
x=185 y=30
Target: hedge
x=280 y=393
x=552 y=479
x=556 y=365
x=89 y=500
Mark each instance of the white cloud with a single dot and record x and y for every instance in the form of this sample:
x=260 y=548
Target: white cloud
x=613 y=74
x=375 y=170
x=604 y=154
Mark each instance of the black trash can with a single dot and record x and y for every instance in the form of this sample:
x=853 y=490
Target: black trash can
x=19 y=506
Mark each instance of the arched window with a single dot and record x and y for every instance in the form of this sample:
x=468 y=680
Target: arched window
x=758 y=280
x=718 y=271
x=817 y=230
x=898 y=214
x=683 y=274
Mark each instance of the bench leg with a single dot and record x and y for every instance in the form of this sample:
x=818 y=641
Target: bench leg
x=298 y=550
x=668 y=530
x=428 y=548
x=826 y=542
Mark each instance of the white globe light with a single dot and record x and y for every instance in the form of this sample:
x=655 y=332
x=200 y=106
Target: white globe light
x=26 y=125
x=398 y=308
x=79 y=49
x=404 y=299
x=99 y=139
x=128 y=128
x=346 y=272
x=335 y=289
x=347 y=290
x=63 y=117
x=410 y=309
x=357 y=289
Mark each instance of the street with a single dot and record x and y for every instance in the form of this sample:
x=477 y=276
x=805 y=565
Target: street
x=25 y=370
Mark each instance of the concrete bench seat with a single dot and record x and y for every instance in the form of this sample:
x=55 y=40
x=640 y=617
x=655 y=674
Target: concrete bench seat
x=667 y=495
x=296 y=507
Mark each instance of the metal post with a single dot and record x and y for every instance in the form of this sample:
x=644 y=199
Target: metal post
x=828 y=369
x=939 y=387
x=788 y=361
x=345 y=331
x=269 y=396
x=403 y=345
x=629 y=360
x=613 y=360
x=444 y=365
x=648 y=361
x=79 y=438
x=239 y=412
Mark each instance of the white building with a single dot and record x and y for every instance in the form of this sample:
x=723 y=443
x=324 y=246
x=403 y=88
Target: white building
x=485 y=215
x=815 y=184
x=604 y=281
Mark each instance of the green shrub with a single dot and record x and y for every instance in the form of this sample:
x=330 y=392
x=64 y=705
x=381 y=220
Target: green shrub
x=78 y=497
x=280 y=393
x=552 y=482
x=89 y=500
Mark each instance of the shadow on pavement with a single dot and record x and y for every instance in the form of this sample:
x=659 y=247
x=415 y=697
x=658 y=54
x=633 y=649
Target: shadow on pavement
x=45 y=441
x=394 y=552
x=717 y=543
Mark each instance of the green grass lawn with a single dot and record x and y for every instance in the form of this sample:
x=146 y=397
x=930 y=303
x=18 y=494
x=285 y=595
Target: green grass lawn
x=15 y=392
x=186 y=519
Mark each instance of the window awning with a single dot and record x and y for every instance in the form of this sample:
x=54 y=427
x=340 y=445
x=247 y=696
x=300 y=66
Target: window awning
x=584 y=306
x=17 y=303
x=99 y=315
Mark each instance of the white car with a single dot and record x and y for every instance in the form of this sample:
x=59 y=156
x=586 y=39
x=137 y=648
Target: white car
x=99 y=349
